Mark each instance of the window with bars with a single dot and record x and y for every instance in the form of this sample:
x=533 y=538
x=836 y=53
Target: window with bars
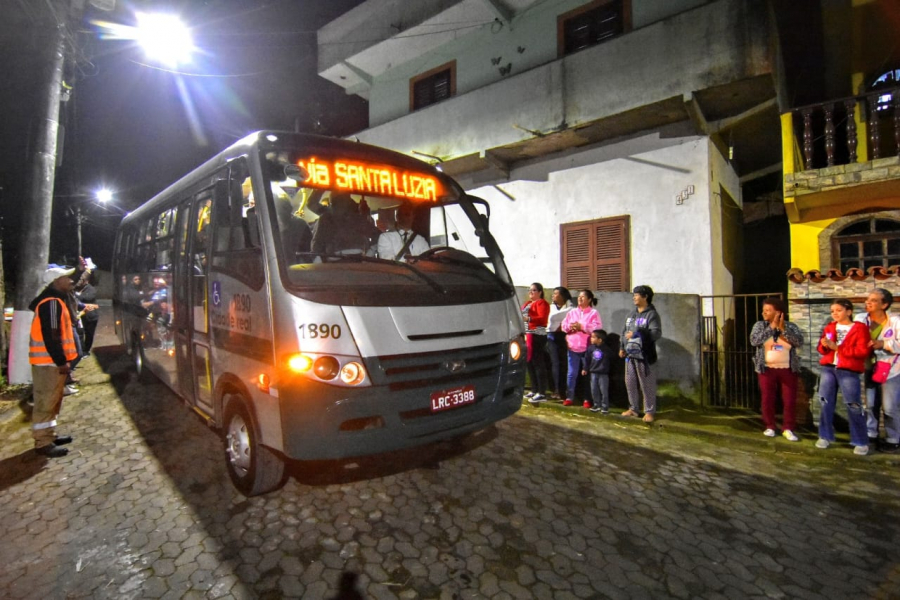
x=432 y=87
x=595 y=255
x=868 y=243
x=592 y=24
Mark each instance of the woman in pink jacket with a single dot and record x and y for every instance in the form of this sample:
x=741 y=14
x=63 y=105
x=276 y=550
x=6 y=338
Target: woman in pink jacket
x=578 y=324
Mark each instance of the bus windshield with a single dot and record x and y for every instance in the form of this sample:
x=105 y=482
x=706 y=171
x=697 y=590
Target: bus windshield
x=351 y=231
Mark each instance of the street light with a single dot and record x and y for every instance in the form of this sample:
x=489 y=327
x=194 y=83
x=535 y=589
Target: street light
x=104 y=197
x=164 y=38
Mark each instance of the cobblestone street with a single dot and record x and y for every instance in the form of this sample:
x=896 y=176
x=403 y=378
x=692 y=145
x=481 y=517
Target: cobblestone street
x=143 y=508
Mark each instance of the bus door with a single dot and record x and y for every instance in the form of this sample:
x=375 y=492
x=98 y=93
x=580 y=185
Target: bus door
x=194 y=365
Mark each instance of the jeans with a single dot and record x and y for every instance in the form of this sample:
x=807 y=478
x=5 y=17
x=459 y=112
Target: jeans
x=574 y=371
x=600 y=390
x=74 y=363
x=873 y=405
x=556 y=348
x=890 y=405
x=848 y=382
x=770 y=382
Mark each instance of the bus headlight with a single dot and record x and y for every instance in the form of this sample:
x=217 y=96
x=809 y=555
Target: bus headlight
x=515 y=349
x=353 y=373
x=326 y=367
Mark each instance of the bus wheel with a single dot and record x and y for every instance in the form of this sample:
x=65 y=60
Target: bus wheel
x=253 y=468
x=137 y=355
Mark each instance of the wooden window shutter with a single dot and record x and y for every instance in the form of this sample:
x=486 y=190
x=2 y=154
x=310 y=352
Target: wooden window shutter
x=595 y=255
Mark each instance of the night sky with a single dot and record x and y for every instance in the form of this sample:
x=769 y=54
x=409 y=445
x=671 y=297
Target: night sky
x=135 y=127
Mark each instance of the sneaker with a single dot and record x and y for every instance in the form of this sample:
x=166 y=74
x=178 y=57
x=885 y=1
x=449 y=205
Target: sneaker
x=889 y=447
x=861 y=450
x=596 y=409
x=604 y=411
x=789 y=436
x=537 y=399
x=648 y=418
x=587 y=404
x=529 y=395
x=629 y=413
x=556 y=396
x=769 y=433
x=567 y=402
x=822 y=443
x=69 y=390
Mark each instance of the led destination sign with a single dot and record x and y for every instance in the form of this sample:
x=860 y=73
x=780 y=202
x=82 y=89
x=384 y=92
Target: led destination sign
x=364 y=178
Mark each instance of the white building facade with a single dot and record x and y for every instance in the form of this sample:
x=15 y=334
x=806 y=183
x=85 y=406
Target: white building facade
x=601 y=133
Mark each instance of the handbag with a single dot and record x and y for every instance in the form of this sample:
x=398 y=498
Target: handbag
x=882 y=370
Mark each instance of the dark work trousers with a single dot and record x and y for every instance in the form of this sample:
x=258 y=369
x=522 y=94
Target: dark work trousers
x=90 y=327
x=537 y=364
x=556 y=348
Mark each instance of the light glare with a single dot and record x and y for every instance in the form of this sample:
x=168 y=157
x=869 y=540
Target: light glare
x=164 y=38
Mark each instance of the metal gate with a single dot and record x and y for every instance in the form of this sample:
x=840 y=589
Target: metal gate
x=726 y=356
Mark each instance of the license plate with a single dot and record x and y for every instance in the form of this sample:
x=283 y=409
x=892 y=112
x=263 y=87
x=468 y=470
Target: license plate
x=449 y=399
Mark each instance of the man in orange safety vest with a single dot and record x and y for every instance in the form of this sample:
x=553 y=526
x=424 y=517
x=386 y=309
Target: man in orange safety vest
x=51 y=350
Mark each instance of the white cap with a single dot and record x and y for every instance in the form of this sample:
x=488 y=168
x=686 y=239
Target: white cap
x=54 y=273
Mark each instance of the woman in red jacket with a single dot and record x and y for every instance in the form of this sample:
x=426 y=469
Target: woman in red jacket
x=844 y=348
x=536 y=311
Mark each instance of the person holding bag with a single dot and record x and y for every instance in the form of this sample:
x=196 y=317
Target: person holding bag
x=884 y=329
x=844 y=347
x=777 y=365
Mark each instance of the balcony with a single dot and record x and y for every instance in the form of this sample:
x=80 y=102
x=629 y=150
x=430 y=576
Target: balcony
x=841 y=157
x=705 y=71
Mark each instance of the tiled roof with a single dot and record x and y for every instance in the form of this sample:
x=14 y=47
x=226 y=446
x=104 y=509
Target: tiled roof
x=816 y=276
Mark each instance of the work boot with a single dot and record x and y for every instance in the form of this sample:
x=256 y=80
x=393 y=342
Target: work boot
x=52 y=451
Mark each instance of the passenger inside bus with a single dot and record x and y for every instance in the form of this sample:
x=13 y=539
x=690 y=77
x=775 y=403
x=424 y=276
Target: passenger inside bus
x=342 y=230
x=402 y=241
x=296 y=235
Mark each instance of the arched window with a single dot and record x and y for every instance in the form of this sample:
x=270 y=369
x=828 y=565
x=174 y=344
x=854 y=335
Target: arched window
x=868 y=243
x=887 y=80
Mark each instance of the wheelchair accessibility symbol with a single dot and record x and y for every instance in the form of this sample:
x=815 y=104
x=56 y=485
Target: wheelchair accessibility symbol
x=216 y=293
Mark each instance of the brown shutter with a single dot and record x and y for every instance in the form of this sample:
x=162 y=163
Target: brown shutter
x=576 y=255
x=595 y=255
x=611 y=266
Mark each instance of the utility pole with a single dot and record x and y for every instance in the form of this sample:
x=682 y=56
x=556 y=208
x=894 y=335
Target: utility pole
x=38 y=201
x=35 y=252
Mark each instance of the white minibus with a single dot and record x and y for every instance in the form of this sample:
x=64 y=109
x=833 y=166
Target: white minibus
x=316 y=298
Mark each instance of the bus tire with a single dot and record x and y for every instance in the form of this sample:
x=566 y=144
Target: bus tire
x=253 y=468
x=140 y=365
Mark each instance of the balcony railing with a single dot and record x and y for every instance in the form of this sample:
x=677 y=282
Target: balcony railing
x=830 y=131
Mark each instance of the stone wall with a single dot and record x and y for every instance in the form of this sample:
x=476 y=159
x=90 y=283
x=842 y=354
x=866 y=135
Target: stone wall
x=841 y=176
x=810 y=299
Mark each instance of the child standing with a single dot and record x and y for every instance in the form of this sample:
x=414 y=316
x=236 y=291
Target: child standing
x=596 y=362
x=844 y=347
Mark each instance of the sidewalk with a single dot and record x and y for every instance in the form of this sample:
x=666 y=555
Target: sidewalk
x=733 y=428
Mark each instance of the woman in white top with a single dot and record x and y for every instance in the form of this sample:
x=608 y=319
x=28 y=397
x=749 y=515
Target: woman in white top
x=560 y=305
x=777 y=365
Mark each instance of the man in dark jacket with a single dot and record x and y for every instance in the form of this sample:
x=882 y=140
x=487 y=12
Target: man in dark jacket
x=642 y=330
x=51 y=351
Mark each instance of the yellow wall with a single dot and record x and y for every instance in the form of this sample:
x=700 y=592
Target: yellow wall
x=805 y=245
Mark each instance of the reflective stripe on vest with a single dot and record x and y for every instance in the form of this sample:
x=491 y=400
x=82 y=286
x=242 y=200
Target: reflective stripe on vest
x=37 y=351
